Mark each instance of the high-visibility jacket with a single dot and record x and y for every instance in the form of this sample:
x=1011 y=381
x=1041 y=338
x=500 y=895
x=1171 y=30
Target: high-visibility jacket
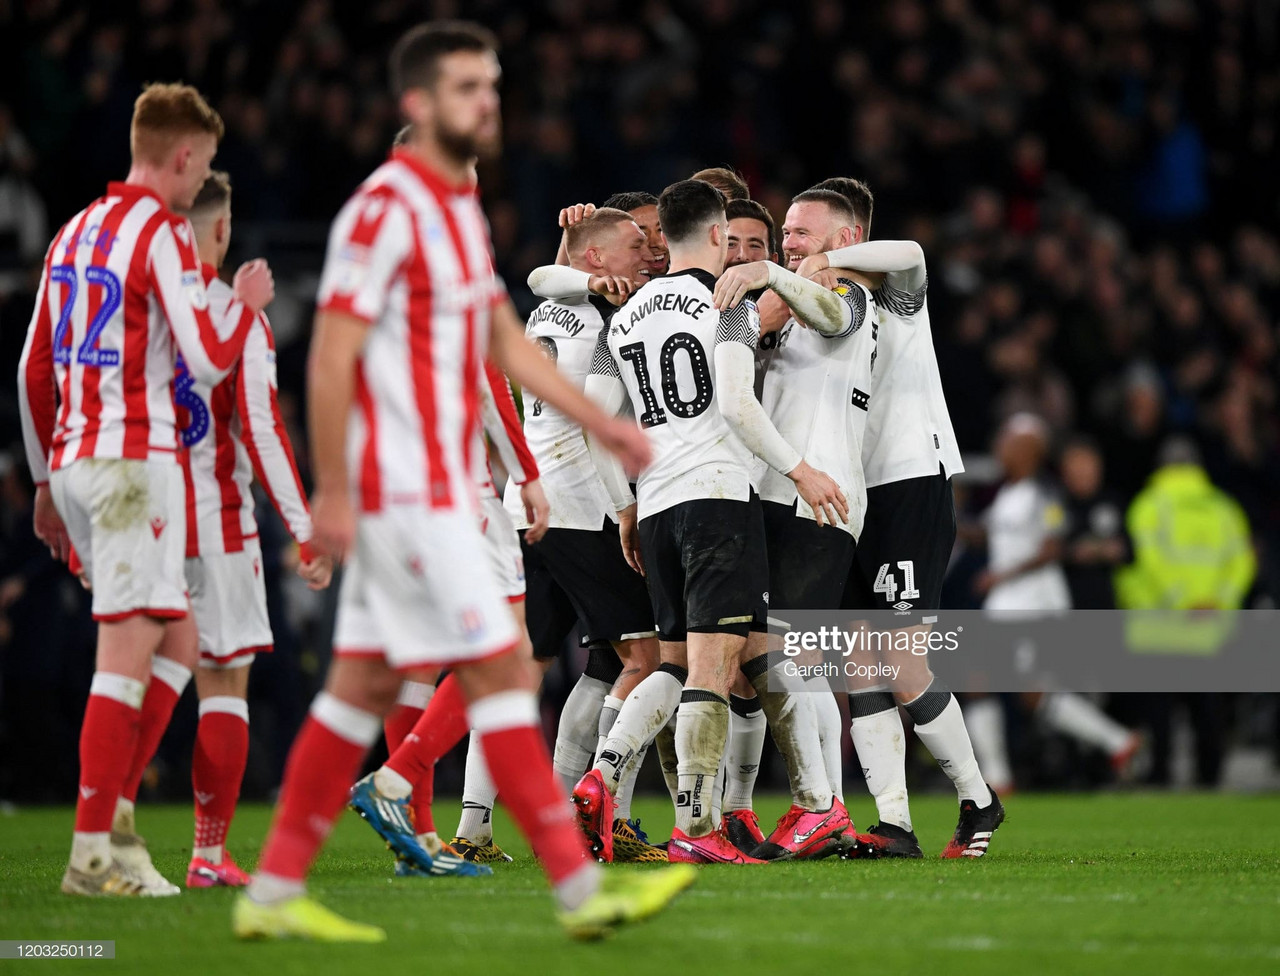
x=1191 y=547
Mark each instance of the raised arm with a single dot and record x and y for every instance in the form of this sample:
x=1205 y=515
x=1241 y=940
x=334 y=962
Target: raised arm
x=902 y=262
x=735 y=391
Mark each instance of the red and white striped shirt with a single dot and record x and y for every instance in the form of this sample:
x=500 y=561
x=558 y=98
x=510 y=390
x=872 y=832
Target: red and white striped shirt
x=121 y=282
x=410 y=255
x=233 y=431
x=501 y=422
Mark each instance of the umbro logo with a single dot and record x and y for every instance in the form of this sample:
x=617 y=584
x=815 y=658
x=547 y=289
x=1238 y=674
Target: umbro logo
x=748 y=768
x=902 y=606
x=87 y=792
x=204 y=798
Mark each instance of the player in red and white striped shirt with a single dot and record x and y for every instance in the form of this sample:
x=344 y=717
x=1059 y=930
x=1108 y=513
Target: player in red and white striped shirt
x=120 y=294
x=409 y=307
x=231 y=432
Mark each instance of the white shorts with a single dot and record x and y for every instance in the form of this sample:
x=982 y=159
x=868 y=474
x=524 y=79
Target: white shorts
x=419 y=590
x=128 y=523
x=503 y=546
x=229 y=599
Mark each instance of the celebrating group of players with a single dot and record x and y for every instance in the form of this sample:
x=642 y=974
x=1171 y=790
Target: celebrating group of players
x=785 y=421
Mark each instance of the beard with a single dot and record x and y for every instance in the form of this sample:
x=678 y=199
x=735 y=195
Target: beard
x=465 y=146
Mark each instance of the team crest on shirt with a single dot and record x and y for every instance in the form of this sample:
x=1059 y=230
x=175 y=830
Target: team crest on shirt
x=471 y=621
x=193 y=286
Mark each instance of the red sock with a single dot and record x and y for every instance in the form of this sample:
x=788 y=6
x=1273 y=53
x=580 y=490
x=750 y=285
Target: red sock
x=521 y=769
x=167 y=682
x=398 y=724
x=107 y=741
x=217 y=766
x=441 y=727
x=325 y=760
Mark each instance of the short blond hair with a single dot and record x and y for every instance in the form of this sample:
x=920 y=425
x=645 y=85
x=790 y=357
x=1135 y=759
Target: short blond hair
x=165 y=113
x=588 y=231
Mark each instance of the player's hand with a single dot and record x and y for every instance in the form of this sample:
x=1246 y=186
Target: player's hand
x=733 y=285
x=536 y=509
x=576 y=214
x=615 y=288
x=48 y=525
x=254 y=284
x=774 y=312
x=811 y=265
x=625 y=441
x=629 y=533
x=985 y=581
x=333 y=523
x=318 y=572
x=821 y=493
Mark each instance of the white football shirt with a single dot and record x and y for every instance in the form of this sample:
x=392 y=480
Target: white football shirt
x=909 y=430
x=567 y=332
x=661 y=345
x=816 y=392
x=1024 y=514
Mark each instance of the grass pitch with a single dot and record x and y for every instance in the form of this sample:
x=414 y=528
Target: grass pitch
x=1074 y=884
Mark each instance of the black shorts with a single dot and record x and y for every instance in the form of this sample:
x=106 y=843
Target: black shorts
x=809 y=564
x=609 y=597
x=548 y=612
x=707 y=567
x=905 y=546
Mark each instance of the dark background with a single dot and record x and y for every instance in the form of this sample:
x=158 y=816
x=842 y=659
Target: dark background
x=1094 y=184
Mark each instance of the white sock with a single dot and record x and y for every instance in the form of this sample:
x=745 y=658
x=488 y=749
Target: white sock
x=717 y=794
x=1077 y=716
x=747 y=726
x=268 y=889
x=627 y=785
x=881 y=744
x=830 y=732
x=577 y=734
x=608 y=715
x=478 y=796
x=91 y=852
x=793 y=722
x=665 y=743
x=702 y=726
x=647 y=709
x=578 y=887
x=940 y=726
x=391 y=784
x=985 y=721
x=124 y=819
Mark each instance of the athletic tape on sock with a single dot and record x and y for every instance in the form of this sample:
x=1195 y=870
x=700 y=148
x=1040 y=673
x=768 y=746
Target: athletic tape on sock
x=930 y=704
x=746 y=707
x=503 y=710
x=864 y=704
x=677 y=672
x=603 y=663
x=227 y=704
x=415 y=694
x=357 y=726
x=171 y=673
x=118 y=687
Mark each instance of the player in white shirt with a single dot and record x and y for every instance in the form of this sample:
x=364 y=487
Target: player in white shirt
x=815 y=389
x=694 y=528
x=1024 y=579
x=909 y=455
x=120 y=295
x=231 y=431
x=580 y=553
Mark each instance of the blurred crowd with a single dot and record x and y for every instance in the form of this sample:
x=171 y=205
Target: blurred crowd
x=1093 y=182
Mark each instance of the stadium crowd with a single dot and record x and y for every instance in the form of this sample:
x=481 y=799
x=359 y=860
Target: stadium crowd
x=1092 y=183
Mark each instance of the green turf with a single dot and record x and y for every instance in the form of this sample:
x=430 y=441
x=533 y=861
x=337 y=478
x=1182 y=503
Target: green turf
x=1090 y=884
